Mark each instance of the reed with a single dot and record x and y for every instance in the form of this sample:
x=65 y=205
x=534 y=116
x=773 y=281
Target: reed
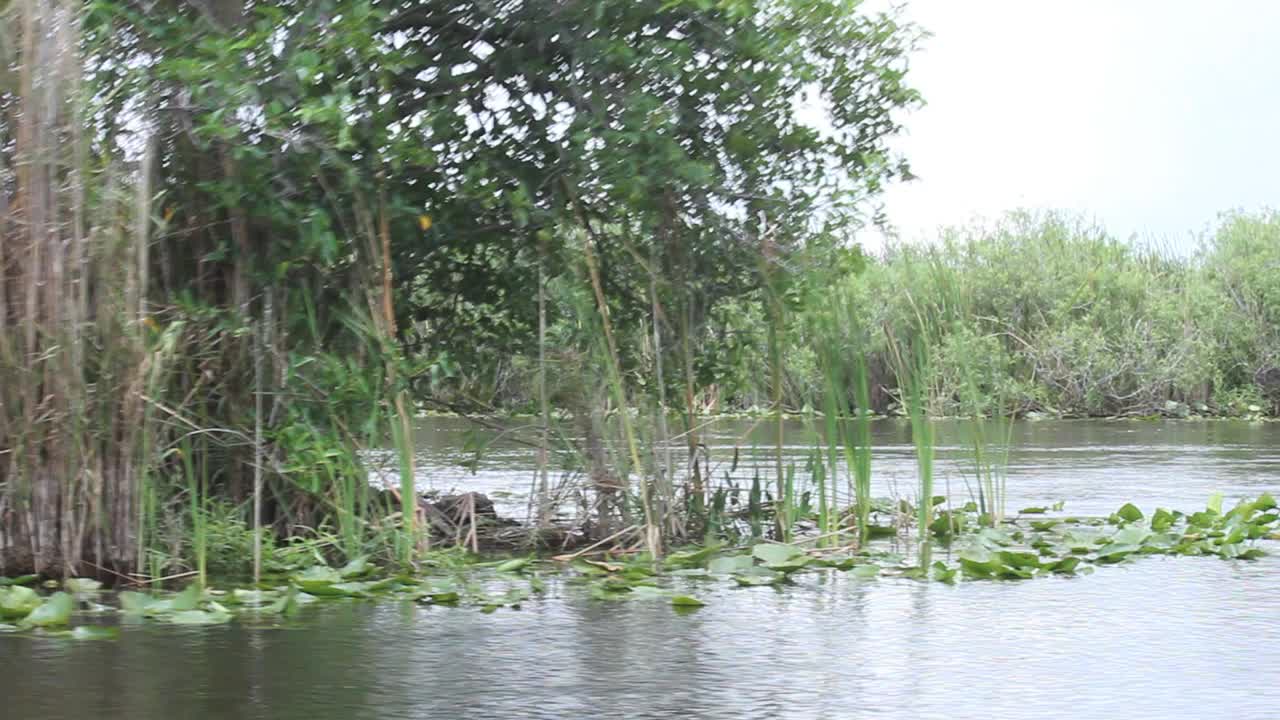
x=859 y=450
x=922 y=437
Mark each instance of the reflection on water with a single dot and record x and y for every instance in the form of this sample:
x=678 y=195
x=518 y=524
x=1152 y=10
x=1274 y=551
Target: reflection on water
x=1156 y=638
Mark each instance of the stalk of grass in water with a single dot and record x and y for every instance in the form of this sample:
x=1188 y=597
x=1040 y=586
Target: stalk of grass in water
x=825 y=475
x=861 y=450
x=653 y=530
x=259 y=457
x=199 y=531
x=774 y=302
x=544 y=404
x=923 y=439
x=825 y=335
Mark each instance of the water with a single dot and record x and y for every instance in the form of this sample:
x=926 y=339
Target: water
x=1155 y=638
x=1095 y=466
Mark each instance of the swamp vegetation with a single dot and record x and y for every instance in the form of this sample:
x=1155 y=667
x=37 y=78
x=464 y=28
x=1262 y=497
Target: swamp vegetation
x=243 y=244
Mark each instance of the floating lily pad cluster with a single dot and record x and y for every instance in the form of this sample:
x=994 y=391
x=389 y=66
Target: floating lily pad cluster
x=1071 y=545
x=22 y=608
x=1019 y=549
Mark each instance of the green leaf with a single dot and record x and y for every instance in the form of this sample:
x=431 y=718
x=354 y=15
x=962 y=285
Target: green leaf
x=17 y=602
x=730 y=564
x=1065 y=566
x=286 y=605
x=686 y=601
x=254 y=597
x=1215 y=503
x=792 y=565
x=1115 y=552
x=1162 y=520
x=54 y=611
x=773 y=554
x=1129 y=513
x=135 y=603
x=865 y=571
x=944 y=574
x=81 y=586
x=1034 y=510
x=20 y=580
x=188 y=599
x=514 y=564
x=837 y=563
x=318 y=574
x=199 y=617
x=687 y=558
x=758 y=576
x=357 y=567
x=1131 y=535
x=586 y=568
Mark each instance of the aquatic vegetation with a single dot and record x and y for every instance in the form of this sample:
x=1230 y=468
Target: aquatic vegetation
x=1020 y=549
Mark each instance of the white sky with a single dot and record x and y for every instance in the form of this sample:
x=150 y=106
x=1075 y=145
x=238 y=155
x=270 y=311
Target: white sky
x=1149 y=116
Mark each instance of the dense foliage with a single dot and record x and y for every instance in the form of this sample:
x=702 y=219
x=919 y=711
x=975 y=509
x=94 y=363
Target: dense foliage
x=305 y=209
x=1047 y=314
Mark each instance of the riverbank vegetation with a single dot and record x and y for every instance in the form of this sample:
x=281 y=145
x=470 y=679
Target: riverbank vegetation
x=241 y=243
x=1067 y=321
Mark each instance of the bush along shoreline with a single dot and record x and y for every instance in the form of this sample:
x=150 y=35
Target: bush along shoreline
x=1039 y=314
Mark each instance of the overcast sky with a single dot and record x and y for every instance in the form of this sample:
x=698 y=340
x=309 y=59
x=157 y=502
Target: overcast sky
x=1149 y=116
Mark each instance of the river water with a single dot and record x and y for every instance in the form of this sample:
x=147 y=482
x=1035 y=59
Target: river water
x=1153 y=638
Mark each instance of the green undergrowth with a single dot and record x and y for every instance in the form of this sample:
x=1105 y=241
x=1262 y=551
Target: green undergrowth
x=1039 y=542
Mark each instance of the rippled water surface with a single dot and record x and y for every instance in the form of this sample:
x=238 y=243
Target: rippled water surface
x=1154 y=638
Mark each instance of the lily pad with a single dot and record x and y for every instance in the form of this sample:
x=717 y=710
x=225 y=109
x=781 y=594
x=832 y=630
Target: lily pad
x=1115 y=552
x=17 y=602
x=865 y=571
x=54 y=611
x=514 y=565
x=254 y=597
x=942 y=573
x=286 y=605
x=1162 y=520
x=355 y=568
x=686 y=601
x=774 y=554
x=188 y=599
x=199 y=617
x=81 y=586
x=135 y=603
x=1129 y=513
x=688 y=558
x=1065 y=566
x=20 y=580
x=758 y=576
x=730 y=564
